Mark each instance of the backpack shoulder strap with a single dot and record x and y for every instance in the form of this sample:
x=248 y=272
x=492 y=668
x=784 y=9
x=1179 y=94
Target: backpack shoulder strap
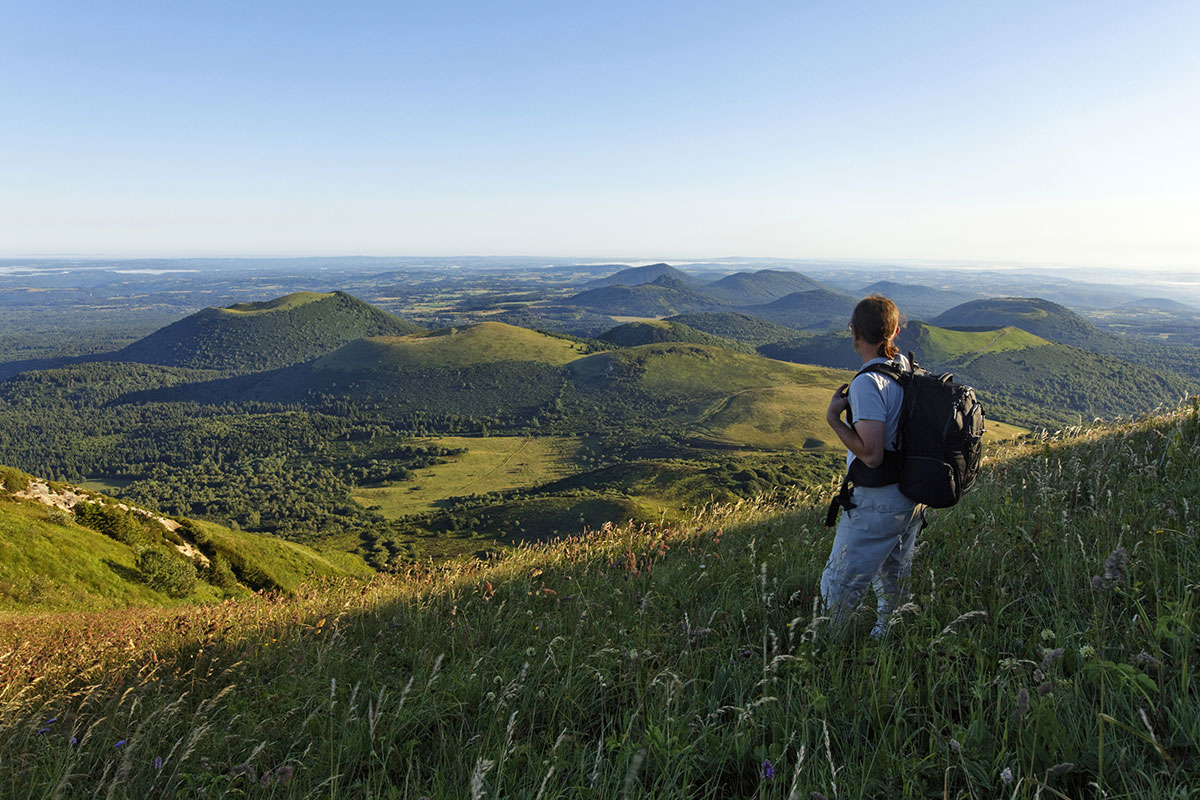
x=889 y=368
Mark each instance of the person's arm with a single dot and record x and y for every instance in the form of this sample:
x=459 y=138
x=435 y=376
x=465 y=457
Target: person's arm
x=865 y=439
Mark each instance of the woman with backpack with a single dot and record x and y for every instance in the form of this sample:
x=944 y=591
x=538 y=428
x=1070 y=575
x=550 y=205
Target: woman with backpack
x=874 y=541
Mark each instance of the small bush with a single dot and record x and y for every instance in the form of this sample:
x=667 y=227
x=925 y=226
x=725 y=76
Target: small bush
x=12 y=480
x=116 y=524
x=58 y=516
x=219 y=573
x=167 y=573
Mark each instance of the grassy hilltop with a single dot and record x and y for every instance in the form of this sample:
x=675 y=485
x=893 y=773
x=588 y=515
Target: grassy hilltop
x=1048 y=652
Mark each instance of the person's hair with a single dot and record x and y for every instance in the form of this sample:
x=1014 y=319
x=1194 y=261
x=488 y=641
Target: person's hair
x=875 y=320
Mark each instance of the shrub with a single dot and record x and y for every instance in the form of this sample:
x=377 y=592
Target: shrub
x=114 y=523
x=12 y=480
x=169 y=574
x=219 y=573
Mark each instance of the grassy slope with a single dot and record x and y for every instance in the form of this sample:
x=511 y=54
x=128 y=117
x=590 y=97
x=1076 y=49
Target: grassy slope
x=689 y=371
x=481 y=343
x=946 y=346
x=740 y=327
x=674 y=662
x=51 y=564
x=45 y=565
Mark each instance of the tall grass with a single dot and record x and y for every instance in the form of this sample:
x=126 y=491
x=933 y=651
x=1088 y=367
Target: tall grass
x=1047 y=653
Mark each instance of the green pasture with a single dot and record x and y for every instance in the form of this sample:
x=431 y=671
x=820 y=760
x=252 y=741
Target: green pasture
x=105 y=485
x=945 y=344
x=790 y=417
x=491 y=464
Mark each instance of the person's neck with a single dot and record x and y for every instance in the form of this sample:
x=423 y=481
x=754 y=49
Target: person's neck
x=866 y=351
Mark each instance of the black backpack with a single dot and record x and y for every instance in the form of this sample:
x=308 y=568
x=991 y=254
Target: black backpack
x=940 y=440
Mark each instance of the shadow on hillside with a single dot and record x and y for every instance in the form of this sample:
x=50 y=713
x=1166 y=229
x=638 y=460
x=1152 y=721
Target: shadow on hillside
x=123 y=572
x=217 y=391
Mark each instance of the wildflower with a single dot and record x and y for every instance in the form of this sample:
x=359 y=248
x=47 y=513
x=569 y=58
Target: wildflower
x=1114 y=565
x=1044 y=688
x=1006 y=776
x=157 y=763
x=954 y=745
x=244 y=769
x=1050 y=656
x=1146 y=660
x=1087 y=651
x=282 y=775
x=73 y=740
x=52 y=720
x=120 y=743
x=1022 y=706
x=768 y=769
x=1047 y=635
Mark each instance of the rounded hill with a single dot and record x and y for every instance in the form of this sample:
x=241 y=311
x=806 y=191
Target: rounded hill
x=251 y=337
x=470 y=345
x=633 y=334
x=1033 y=314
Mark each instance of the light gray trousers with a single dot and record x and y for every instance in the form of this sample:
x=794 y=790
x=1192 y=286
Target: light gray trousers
x=873 y=546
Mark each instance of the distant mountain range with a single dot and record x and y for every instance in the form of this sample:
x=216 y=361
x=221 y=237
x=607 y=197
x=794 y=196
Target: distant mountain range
x=918 y=302
x=782 y=296
x=1042 y=363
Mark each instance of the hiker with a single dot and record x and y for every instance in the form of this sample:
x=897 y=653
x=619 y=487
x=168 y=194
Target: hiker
x=878 y=527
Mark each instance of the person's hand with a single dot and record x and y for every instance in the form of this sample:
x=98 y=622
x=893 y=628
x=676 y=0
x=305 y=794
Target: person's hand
x=839 y=403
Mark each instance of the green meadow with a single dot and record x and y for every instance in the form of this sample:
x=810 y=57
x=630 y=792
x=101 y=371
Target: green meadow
x=489 y=464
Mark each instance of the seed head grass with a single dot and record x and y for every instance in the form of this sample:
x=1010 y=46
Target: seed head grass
x=671 y=661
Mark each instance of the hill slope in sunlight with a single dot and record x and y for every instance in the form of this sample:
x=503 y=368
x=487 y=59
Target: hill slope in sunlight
x=64 y=547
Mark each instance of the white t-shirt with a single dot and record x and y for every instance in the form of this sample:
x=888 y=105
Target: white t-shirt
x=878 y=397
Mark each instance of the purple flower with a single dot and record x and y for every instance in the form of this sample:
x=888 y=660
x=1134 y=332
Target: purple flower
x=768 y=769
x=43 y=730
x=1114 y=565
x=52 y=720
x=158 y=763
x=120 y=743
x=74 y=740
x=1022 y=706
x=1050 y=656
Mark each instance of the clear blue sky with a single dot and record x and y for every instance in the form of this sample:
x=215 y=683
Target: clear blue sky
x=1062 y=132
